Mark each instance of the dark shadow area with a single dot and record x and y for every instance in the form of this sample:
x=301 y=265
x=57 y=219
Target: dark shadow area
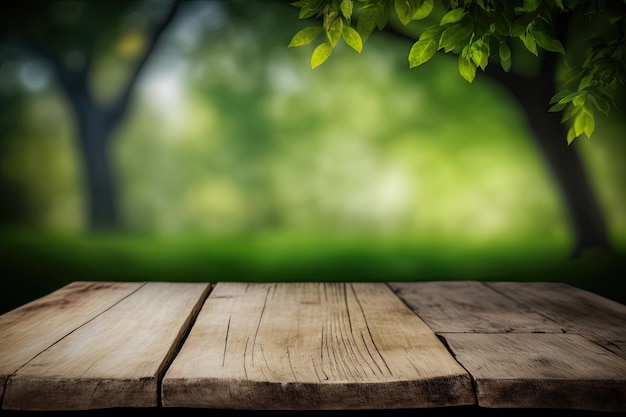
x=422 y=412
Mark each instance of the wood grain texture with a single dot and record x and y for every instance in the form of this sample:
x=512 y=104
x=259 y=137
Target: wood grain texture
x=576 y=310
x=32 y=328
x=312 y=346
x=115 y=359
x=616 y=346
x=470 y=306
x=541 y=371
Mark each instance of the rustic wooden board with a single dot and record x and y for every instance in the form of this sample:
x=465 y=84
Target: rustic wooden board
x=113 y=360
x=577 y=311
x=312 y=346
x=541 y=371
x=470 y=306
x=616 y=346
x=32 y=328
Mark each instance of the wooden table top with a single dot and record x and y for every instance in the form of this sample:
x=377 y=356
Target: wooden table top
x=314 y=346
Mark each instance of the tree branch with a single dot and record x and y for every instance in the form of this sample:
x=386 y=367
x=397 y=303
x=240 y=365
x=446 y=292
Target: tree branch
x=119 y=108
x=68 y=79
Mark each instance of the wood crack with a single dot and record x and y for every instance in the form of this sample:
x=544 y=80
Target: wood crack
x=371 y=337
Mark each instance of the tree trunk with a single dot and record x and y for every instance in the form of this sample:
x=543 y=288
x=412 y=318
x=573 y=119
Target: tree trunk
x=101 y=199
x=585 y=216
x=96 y=122
x=584 y=213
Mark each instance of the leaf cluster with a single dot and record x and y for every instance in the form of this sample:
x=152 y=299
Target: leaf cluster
x=336 y=17
x=588 y=87
x=480 y=32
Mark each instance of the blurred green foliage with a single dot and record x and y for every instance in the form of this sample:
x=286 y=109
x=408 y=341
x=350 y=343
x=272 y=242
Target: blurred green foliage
x=238 y=162
x=482 y=31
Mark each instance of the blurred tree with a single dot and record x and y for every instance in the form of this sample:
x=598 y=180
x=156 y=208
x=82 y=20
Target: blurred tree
x=12 y=207
x=74 y=37
x=480 y=31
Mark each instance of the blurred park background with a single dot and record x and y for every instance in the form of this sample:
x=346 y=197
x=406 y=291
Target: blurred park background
x=231 y=159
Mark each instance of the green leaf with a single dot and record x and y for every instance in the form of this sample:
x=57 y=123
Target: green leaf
x=580 y=99
x=308 y=8
x=570 y=112
x=366 y=24
x=432 y=32
x=561 y=95
x=371 y=15
x=404 y=11
x=305 y=36
x=585 y=82
x=601 y=104
x=486 y=52
x=480 y=53
x=423 y=10
x=506 y=65
x=571 y=135
x=557 y=107
x=352 y=38
x=454 y=36
x=579 y=124
x=529 y=42
x=544 y=40
x=381 y=18
x=517 y=30
x=584 y=123
x=602 y=101
x=321 y=54
x=467 y=68
x=421 y=52
x=568 y=98
x=306 y=12
x=562 y=98
x=505 y=52
x=453 y=16
x=549 y=44
x=531 y=5
x=346 y=8
x=334 y=31
x=572 y=76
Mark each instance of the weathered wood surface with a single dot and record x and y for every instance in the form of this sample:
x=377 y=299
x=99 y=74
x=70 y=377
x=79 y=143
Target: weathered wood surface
x=529 y=345
x=616 y=346
x=113 y=353
x=471 y=306
x=576 y=310
x=312 y=346
x=315 y=346
x=563 y=371
x=32 y=328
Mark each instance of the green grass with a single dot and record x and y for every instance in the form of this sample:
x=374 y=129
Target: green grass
x=37 y=263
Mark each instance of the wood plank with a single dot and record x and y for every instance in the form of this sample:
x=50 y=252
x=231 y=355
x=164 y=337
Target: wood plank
x=28 y=330
x=312 y=346
x=616 y=346
x=541 y=371
x=113 y=360
x=576 y=310
x=470 y=306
